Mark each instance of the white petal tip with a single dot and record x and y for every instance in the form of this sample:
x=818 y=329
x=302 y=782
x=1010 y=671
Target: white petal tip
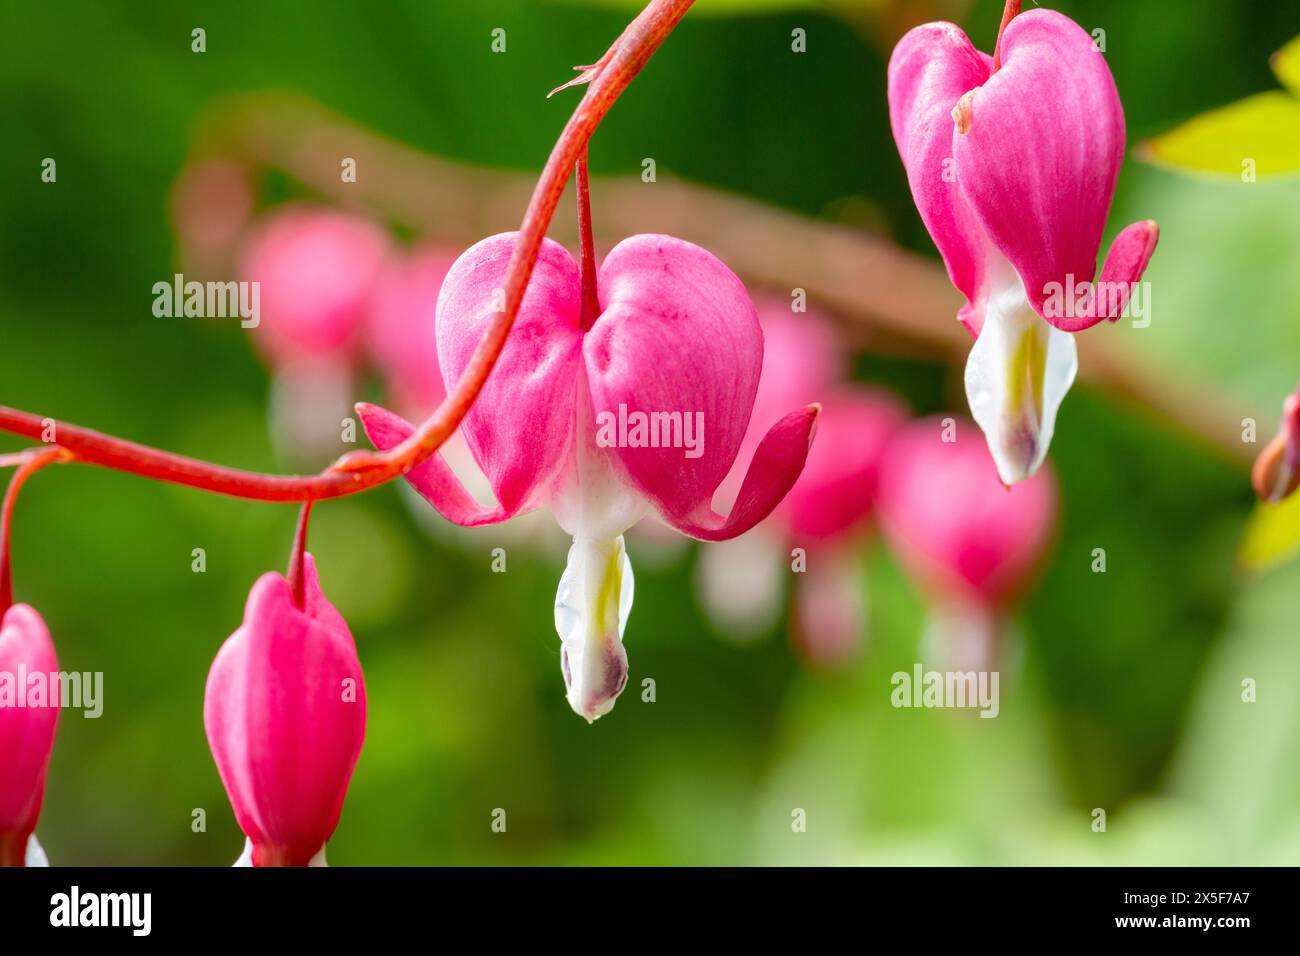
x=591 y=609
x=1017 y=375
x=35 y=855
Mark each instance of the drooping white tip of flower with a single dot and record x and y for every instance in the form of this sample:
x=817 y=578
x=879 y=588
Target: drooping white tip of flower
x=35 y=855
x=741 y=583
x=591 y=609
x=1017 y=374
x=246 y=858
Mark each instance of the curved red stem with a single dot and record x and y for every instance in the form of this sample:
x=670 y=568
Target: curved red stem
x=34 y=462
x=587 y=264
x=360 y=471
x=1009 y=13
x=297 y=577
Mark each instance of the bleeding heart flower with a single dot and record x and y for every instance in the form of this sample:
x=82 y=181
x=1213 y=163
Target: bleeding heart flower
x=602 y=418
x=1276 y=474
x=1013 y=169
x=827 y=513
x=26 y=733
x=972 y=545
x=285 y=714
x=316 y=269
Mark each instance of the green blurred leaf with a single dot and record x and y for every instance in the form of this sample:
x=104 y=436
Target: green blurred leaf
x=1260 y=133
x=1238 y=759
x=1263 y=130
x=1272 y=535
x=1223 y=304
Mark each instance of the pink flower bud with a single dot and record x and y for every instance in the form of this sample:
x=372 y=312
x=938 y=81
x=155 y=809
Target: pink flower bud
x=26 y=730
x=1276 y=474
x=285 y=714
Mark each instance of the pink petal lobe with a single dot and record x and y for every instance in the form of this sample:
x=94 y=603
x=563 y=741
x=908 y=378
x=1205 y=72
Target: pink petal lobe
x=1126 y=262
x=931 y=68
x=26 y=732
x=433 y=477
x=521 y=427
x=801 y=364
x=678 y=347
x=285 y=715
x=775 y=468
x=1042 y=155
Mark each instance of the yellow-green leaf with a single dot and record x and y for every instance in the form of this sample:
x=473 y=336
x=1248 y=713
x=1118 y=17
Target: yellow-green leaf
x=1272 y=534
x=1286 y=64
x=1257 y=136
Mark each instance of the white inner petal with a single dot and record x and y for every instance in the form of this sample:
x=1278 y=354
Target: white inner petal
x=1016 y=377
x=35 y=855
x=589 y=498
x=592 y=605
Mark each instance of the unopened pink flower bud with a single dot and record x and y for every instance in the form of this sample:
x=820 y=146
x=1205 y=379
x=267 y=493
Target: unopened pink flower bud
x=26 y=732
x=285 y=714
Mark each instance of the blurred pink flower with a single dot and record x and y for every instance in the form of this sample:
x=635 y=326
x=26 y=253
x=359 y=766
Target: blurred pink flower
x=677 y=347
x=836 y=495
x=1013 y=169
x=27 y=729
x=401 y=333
x=316 y=269
x=285 y=715
x=972 y=545
x=827 y=513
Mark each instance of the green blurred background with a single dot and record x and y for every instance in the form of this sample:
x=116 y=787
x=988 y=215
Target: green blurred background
x=1126 y=691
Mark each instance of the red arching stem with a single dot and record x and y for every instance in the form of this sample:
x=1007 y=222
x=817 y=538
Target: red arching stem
x=587 y=265
x=297 y=585
x=1009 y=13
x=34 y=462
x=360 y=471
x=96 y=448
